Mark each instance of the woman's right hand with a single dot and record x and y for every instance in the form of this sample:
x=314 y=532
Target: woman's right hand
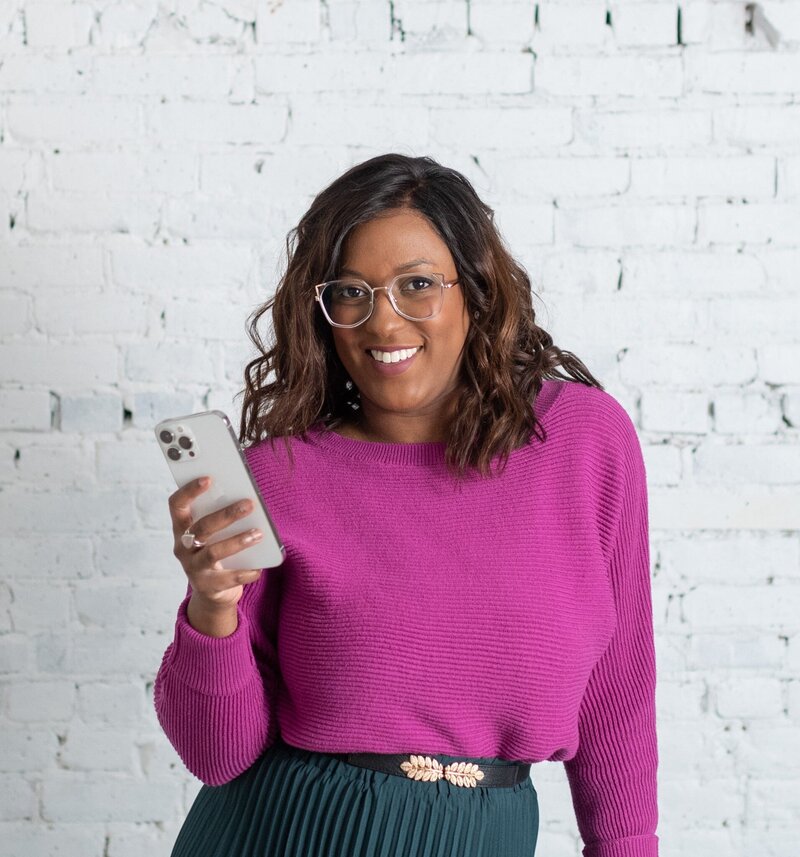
x=215 y=590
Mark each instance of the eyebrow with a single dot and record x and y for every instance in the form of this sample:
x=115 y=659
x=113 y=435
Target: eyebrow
x=412 y=264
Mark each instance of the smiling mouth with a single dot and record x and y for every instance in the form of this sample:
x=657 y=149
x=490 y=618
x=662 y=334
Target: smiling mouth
x=396 y=356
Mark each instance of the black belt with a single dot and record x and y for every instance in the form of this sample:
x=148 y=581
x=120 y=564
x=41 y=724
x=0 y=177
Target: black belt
x=429 y=769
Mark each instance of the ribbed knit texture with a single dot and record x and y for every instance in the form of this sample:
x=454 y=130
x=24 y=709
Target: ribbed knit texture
x=504 y=616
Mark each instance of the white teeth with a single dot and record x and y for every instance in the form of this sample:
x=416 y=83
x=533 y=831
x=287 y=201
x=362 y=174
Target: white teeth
x=393 y=356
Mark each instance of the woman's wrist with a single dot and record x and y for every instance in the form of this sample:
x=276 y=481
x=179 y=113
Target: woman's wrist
x=211 y=619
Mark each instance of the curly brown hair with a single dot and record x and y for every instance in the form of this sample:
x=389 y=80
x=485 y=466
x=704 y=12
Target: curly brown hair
x=506 y=355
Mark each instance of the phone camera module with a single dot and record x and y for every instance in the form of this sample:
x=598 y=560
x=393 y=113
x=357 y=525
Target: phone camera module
x=174 y=454
x=166 y=436
x=185 y=442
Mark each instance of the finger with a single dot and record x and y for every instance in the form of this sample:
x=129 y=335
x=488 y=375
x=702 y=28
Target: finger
x=211 y=582
x=180 y=502
x=205 y=527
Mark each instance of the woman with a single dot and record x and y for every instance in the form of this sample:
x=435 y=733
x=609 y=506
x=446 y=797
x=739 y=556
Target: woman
x=466 y=589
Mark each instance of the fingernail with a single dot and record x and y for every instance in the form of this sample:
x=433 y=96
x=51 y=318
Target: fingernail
x=202 y=481
x=253 y=535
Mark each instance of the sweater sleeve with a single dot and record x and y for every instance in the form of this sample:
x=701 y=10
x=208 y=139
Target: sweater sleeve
x=612 y=777
x=214 y=695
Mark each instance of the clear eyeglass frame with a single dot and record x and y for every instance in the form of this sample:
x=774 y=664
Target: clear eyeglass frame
x=390 y=293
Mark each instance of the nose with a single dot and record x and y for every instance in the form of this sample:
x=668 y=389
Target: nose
x=383 y=313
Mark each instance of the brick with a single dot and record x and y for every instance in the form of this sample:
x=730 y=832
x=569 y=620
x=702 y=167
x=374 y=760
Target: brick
x=51 y=265
x=112 y=703
x=756 y=557
x=572 y=24
x=17 y=799
x=133 y=840
x=215 y=267
x=746 y=412
x=765 y=464
x=90 y=412
x=644 y=24
x=756 y=125
x=208 y=78
x=60 y=557
x=742 y=73
x=376 y=127
x=103 y=653
x=424 y=23
x=233 y=218
x=455 y=73
x=735 y=651
x=58 y=25
x=676 y=413
x=549 y=178
x=493 y=22
x=752 y=176
x=726 y=607
x=151 y=605
x=60 y=840
x=38 y=701
x=644 y=129
x=149 y=553
x=645 y=76
x=22 y=410
x=15 y=653
x=506 y=128
x=360 y=21
x=211 y=320
x=626 y=225
x=98 y=748
x=55 y=463
x=263 y=123
x=26 y=749
x=779 y=364
x=587 y=272
x=39 y=606
x=171 y=363
x=69 y=511
x=86 y=313
x=16 y=317
x=64 y=211
x=743 y=696
x=663 y=363
x=695 y=273
x=756 y=223
x=77 y=797
x=75 y=122
x=58 y=364
x=148 y=409
x=13 y=163
x=125 y=24
x=26 y=73
x=124 y=172
x=278 y=23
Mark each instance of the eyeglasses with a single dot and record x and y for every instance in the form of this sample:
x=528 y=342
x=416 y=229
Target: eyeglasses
x=349 y=302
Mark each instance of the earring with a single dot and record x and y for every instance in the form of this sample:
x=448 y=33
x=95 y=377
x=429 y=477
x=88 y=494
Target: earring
x=476 y=314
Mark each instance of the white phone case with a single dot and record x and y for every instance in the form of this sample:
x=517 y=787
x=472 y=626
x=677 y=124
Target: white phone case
x=204 y=444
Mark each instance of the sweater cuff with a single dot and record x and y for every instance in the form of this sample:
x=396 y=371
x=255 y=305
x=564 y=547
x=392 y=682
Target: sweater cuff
x=630 y=846
x=216 y=666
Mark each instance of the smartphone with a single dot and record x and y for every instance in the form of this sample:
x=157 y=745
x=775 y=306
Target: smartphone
x=204 y=444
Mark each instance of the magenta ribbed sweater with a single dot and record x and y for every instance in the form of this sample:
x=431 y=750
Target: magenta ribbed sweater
x=507 y=616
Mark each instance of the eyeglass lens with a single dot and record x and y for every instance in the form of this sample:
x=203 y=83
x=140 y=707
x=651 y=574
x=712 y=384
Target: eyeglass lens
x=347 y=301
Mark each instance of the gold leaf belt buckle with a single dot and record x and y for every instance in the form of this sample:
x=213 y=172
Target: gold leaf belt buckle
x=429 y=769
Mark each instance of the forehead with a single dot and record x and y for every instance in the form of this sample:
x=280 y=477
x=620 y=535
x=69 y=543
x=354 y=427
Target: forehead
x=385 y=243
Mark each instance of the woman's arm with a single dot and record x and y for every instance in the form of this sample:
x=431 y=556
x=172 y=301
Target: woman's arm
x=214 y=695
x=613 y=775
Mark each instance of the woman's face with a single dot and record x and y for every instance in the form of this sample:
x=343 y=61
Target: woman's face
x=422 y=385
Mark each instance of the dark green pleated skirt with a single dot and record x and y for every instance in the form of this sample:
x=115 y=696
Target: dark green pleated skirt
x=300 y=803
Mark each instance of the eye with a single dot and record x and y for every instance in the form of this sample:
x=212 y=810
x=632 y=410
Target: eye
x=416 y=284
x=349 y=291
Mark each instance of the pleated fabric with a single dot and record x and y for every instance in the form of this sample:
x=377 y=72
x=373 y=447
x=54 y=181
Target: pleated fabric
x=300 y=803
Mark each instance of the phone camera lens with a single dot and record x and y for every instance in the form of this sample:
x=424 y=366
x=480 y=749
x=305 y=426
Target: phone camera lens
x=185 y=442
x=173 y=453
x=166 y=436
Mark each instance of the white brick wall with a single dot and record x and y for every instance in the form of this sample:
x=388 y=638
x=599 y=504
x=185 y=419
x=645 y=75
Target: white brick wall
x=644 y=162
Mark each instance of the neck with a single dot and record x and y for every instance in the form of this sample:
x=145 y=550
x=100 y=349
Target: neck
x=394 y=428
